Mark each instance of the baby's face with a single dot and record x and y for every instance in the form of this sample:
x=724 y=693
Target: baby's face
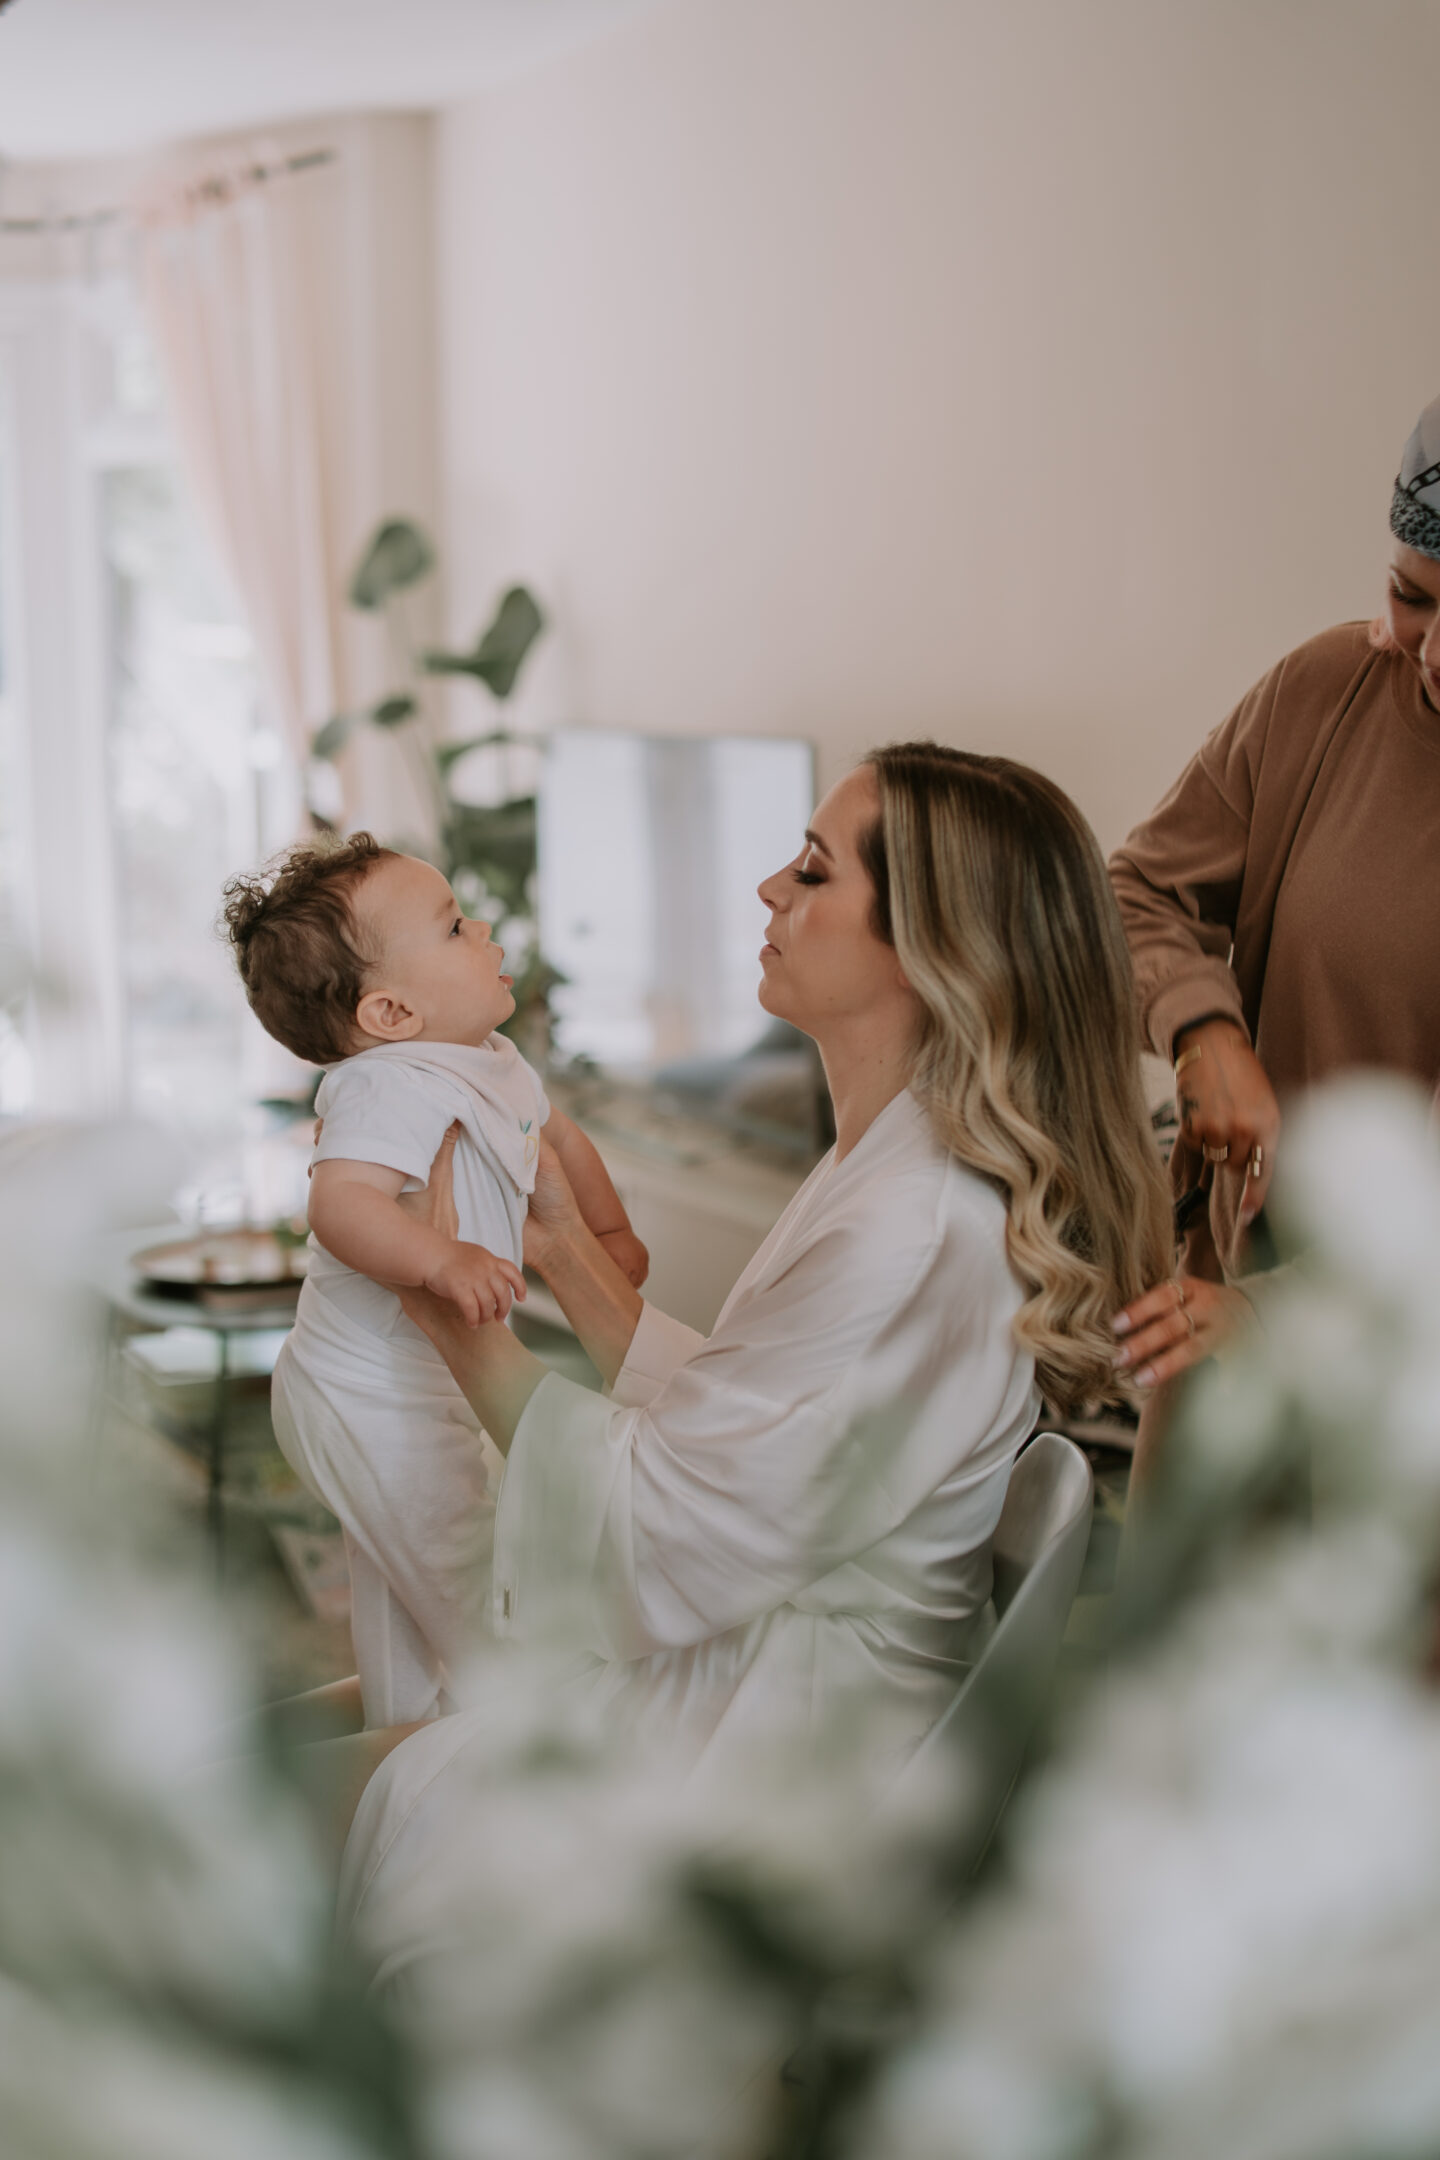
x=434 y=965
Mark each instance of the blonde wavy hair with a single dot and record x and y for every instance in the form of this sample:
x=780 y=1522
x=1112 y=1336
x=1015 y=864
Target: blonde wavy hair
x=991 y=888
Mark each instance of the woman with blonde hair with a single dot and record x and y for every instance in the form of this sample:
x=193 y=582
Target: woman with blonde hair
x=753 y=1523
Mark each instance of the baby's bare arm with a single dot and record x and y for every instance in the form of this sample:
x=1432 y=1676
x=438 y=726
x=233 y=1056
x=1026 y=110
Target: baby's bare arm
x=600 y=1205
x=355 y=1212
x=589 y=1179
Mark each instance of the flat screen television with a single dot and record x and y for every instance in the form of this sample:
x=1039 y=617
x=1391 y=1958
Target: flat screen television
x=650 y=850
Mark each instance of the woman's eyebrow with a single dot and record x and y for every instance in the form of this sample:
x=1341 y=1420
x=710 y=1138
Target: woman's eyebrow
x=815 y=841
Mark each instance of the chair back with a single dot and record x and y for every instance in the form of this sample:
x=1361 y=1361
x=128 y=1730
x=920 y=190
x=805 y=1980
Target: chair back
x=1039 y=1551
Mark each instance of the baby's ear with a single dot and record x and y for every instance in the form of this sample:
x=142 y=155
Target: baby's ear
x=385 y=1018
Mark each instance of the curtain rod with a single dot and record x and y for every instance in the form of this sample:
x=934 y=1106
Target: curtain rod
x=215 y=187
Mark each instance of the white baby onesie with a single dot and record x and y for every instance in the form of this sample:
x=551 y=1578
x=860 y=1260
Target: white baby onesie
x=365 y=1409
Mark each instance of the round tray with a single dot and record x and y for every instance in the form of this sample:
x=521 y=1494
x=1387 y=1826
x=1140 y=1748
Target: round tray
x=223 y=1260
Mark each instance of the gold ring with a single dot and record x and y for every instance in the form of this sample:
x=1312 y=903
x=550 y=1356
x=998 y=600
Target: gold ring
x=1256 y=1165
x=1190 y=1320
x=1179 y=1296
x=1216 y=1154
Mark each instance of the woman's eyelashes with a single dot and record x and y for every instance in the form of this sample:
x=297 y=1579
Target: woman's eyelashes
x=806 y=877
x=1410 y=599
x=455 y=926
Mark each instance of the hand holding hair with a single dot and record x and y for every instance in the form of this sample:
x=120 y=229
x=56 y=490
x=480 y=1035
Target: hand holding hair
x=1226 y=1105
x=1176 y=1325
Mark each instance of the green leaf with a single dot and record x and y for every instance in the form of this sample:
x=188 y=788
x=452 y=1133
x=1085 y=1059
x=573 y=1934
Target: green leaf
x=392 y=710
x=498 y=843
x=330 y=740
x=399 y=555
x=497 y=659
x=451 y=753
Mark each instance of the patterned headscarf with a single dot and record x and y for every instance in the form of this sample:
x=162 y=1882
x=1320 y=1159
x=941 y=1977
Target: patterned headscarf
x=1415 y=505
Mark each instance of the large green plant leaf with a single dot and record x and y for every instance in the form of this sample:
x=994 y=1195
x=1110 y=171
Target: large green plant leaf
x=451 y=753
x=498 y=843
x=328 y=741
x=497 y=659
x=399 y=555
x=391 y=711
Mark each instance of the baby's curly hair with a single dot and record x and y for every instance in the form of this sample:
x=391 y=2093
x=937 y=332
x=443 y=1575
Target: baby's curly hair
x=296 y=943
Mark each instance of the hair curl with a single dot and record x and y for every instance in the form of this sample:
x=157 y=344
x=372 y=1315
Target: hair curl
x=292 y=926
x=991 y=888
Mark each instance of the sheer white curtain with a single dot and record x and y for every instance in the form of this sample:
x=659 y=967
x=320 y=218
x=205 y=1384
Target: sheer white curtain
x=237 y=278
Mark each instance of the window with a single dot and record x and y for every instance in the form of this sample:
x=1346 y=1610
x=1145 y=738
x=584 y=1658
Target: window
x=17 y=1075
x=139 y=764
x=195 y=780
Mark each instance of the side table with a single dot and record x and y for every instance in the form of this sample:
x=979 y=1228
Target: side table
x=132 y=1308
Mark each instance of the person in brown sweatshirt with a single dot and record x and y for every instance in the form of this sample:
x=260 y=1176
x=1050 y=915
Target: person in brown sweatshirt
x=1282 y=907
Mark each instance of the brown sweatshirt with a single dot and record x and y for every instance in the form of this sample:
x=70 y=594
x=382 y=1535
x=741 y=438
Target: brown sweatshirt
x=1291 y=877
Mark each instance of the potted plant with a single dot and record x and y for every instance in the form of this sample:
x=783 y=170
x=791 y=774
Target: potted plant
x=488 y=849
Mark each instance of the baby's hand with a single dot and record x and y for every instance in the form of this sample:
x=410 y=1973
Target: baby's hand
x=629 y=1255
x=478 y=1282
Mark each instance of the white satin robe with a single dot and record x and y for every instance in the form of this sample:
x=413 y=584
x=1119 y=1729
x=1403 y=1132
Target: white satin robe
x=757 y=1521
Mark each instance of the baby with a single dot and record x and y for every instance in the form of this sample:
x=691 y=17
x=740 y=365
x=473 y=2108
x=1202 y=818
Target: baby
x=359 y=959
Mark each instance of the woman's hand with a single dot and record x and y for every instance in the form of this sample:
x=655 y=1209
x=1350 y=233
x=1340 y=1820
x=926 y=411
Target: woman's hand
x=434 y=1204
x=497 y=1375
x=554 y=1212
x=1225 y=1103
x=1177 y=1325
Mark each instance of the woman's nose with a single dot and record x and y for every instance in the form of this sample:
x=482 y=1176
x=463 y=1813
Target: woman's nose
x=769 y=889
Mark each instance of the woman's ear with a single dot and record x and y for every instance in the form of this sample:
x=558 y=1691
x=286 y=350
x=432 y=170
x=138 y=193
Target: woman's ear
x=384 y=1018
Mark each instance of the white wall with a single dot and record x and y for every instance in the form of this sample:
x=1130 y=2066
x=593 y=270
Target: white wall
x=1027 y=372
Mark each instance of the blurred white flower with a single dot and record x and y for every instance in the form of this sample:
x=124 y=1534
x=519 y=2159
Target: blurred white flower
x=1360 y=1186
x=563 y=1991
x=1349 y=1353
x=1242 y=1852
x=1217 y=1930
x=596 y=1954
x=61 y=1188
x=82 y=2088
x=160 y=1920
x=1220 y=1929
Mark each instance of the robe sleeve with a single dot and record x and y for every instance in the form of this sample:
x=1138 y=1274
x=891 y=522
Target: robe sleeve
x=815 y=1420
x=1178 y=876
x=658 y=1348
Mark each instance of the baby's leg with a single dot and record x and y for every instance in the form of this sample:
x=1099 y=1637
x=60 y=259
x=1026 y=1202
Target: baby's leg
x=400 y=1672
x=399 y=1458
x=419 y=1532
